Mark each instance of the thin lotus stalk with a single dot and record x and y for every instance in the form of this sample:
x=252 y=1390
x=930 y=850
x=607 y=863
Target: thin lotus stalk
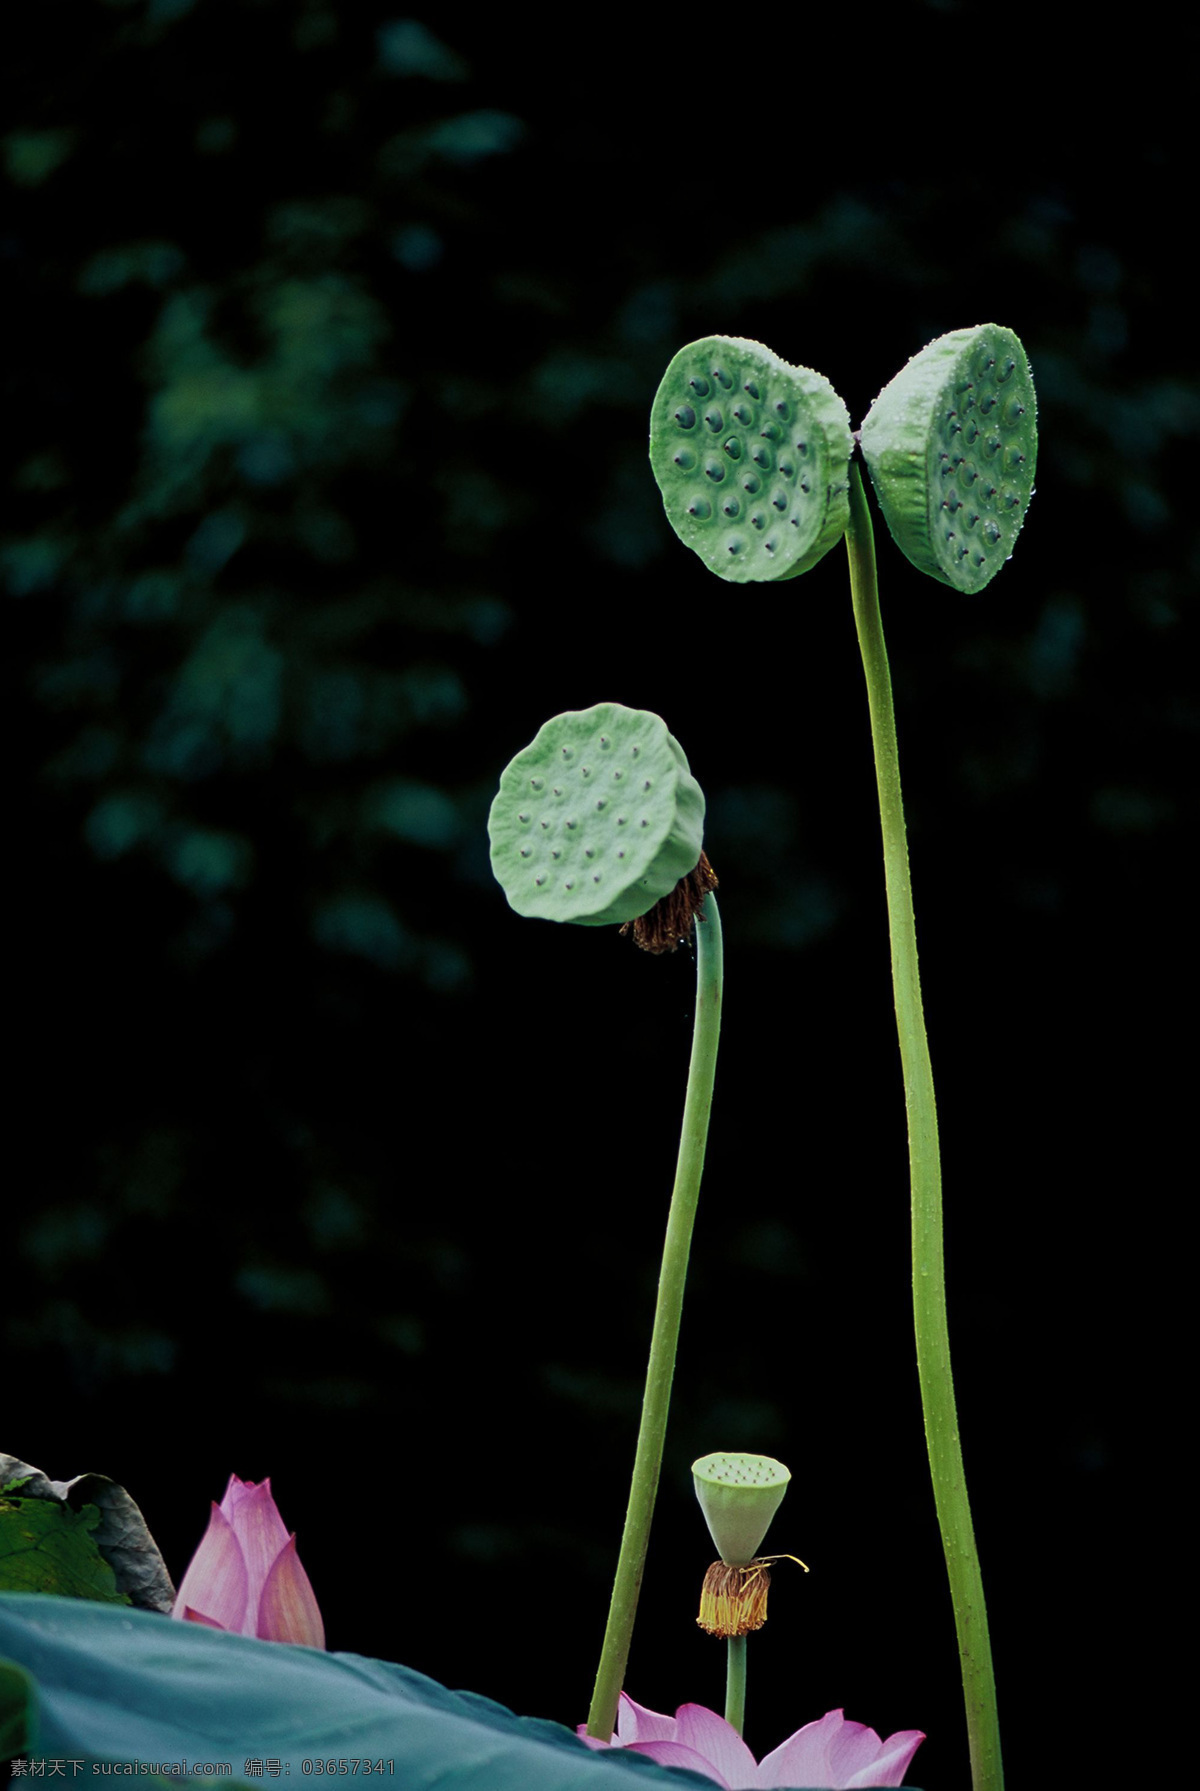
x=665 y=1337
x=929 y=1284
x=735 y=1683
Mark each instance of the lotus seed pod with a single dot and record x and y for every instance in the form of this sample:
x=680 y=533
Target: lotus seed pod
x=739 y=1495
x=951 y=445
x=597 y=819
x=752 y=457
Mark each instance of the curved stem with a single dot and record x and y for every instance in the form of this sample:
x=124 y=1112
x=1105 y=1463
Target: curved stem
x=735 y=1682
x=929 y=1282
x=661 y=1369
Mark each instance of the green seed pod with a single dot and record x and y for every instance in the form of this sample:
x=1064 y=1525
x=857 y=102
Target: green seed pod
x=597 y=819
x=739 y=1495
x=752 y=457
x=951 y=445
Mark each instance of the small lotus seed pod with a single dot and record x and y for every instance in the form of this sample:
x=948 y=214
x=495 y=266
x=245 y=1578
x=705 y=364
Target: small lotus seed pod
x=951 y=445
x=739 y=1495
x=597 y=819
x=752 y=457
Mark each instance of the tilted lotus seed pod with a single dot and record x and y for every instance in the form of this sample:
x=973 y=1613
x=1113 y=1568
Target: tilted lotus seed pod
x=597 y=819
x=951 y=445
x=752 y=458
x=739 y=1495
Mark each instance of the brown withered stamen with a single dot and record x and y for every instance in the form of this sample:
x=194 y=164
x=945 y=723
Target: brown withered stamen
x=733 y=1600
x=669 y=922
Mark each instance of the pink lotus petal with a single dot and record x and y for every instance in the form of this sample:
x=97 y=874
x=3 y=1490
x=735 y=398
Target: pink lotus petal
x=235 y=1492
x=720 y=1744
x=288 y=1609
x=892 y=1760
x=260 y=1531
x=835 y=1753
x=191 y=1616
x=636 y=1723
x=674 y=1753
x=216 y=1584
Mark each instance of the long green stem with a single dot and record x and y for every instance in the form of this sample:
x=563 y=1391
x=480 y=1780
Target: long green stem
x=929 y=1281
x=661 y=1369
x=735 y=1682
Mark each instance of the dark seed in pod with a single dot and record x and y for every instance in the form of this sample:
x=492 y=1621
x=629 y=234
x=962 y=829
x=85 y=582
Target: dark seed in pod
x=685 y=416
x=700 y=385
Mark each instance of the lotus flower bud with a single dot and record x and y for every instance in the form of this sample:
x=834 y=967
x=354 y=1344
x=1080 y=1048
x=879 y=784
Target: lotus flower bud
x=246 y=1577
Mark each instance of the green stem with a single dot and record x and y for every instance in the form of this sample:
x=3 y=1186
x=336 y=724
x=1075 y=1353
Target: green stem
x=735 y=1682
x=929 y=1282
x=661 y=1368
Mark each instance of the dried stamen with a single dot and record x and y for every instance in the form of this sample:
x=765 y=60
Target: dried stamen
x=733 y=1600
x=669 y=922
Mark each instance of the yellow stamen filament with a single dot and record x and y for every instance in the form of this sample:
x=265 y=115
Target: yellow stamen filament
x=733 y=1600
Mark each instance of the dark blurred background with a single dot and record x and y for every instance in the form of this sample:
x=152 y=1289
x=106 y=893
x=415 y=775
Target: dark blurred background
x=327 y=417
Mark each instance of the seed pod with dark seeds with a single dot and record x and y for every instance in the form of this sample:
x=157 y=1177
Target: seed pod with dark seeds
x=752 y=457
x=951 y=445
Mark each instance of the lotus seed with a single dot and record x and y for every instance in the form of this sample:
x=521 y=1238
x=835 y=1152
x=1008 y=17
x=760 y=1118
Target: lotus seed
x=636 y=751
x=715 y=471
x=780 y=500
x=733 y=448
x=700 y=507
x=522 y=817
x=744 y=414
x=731 y=506
x=602 y=802
x=620 y=820
x=537 y=783
x=720 y=374
x=751 y=388
x=525 y=851
x=685 y=416
x=770 y=432
x=699 y=385
x=751 y=483
x=715 y=421
x=685 y=460
x=570 y=823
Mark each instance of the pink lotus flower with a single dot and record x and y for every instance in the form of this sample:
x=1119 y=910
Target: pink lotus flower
x=831 y=1752
x=246 y=1576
